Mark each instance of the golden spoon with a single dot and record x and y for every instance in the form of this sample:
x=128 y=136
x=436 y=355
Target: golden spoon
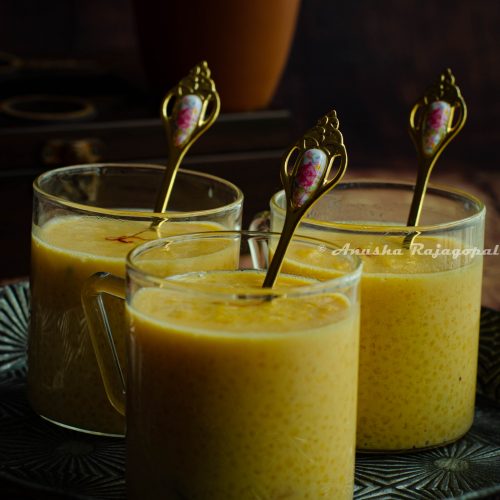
x=305 y=174
x=434 y=121
x=188 y=110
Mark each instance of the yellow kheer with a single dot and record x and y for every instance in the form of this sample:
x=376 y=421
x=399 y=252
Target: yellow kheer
x=241 y=400
x=420 y=310
x=418 y=342
x=64 y=383
x=418 y=351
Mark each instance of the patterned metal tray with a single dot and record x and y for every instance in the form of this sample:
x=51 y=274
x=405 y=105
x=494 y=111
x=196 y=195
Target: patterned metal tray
x=36 y=453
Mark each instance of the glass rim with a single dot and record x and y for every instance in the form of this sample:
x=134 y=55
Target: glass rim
x=136 y=213
x=438 y=189
x=345 y=280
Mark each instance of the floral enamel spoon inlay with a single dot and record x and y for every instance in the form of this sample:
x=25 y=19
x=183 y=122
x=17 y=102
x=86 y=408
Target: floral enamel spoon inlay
x=434 y=121
x=305 y=174
x=196 y=105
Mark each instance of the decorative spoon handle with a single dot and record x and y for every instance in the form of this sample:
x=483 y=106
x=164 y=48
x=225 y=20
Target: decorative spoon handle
x=305 y=173
x=188 y=110
x=434 y=121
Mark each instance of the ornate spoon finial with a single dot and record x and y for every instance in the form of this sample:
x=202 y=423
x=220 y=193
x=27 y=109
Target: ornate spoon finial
x=305 y=173
x=434 y=121
x=196 y=105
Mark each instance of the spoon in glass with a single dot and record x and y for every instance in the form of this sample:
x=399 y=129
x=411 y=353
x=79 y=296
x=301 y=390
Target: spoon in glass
x=305 y=174
x=188 y=111
x=434 y=121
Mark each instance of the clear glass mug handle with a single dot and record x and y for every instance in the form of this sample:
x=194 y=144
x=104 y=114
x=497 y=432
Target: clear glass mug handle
x=259 y=250
x=261 y=221
x=101 y=334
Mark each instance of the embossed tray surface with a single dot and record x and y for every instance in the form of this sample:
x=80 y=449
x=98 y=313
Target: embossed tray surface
x=36 y=453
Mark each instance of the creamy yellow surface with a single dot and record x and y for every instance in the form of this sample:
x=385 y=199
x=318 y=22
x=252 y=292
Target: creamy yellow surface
x=246 y=401
x=64 y=383
x=418 y=341
x=418 y=354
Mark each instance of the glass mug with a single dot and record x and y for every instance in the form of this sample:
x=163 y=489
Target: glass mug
x=232 y=390
x=420 y=306
x=86 y=219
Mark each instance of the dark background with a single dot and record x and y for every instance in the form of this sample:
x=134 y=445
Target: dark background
x=370 y=60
